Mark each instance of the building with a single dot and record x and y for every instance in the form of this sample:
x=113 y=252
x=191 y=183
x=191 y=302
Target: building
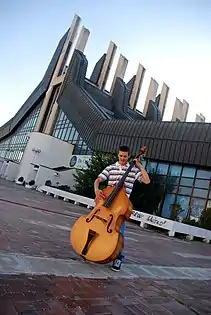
x=69 y=115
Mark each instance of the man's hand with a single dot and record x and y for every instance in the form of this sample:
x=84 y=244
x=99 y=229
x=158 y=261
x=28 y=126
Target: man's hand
x=138 y=164
x=99 y=194
x=144 y=176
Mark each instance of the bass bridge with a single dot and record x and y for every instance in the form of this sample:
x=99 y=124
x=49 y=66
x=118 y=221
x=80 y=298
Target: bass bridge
x=100 y=218
x=97 y=216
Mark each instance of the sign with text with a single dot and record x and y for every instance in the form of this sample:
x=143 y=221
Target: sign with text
x=157 y=221
x=137 y=215
x=79 y=161
x=150 y=219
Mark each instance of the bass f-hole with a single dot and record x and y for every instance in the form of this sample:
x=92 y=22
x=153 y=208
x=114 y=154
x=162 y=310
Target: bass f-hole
x=108 y=227
x=92 y=217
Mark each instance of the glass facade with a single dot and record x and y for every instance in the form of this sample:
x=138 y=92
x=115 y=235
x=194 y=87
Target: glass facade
x=13 y=146
x=65 y=130
x=188 y=186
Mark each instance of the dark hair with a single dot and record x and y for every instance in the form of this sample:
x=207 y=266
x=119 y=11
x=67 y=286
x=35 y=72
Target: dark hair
x=124 y=148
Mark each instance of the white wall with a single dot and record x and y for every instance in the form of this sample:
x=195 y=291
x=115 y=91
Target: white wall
x=1 y=163
x=44 y=150
x=11 y=171
x=44 y=174
x=67 y=177
x=3 y=168
x=63 y=178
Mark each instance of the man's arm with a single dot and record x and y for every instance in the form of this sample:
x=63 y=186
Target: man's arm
x=101 y=178
x=144 y=177
x=97 y=182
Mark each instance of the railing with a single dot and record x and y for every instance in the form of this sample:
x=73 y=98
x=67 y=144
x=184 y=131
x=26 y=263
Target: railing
x=171 y=226
x=145 y=219
x=78 y=200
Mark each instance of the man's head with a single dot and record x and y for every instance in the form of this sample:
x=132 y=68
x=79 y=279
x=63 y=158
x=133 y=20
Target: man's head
x=123 y=154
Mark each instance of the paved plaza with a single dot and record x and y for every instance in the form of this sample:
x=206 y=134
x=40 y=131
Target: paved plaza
x=40 y=274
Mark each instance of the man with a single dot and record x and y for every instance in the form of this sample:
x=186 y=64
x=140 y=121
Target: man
x=113 y=174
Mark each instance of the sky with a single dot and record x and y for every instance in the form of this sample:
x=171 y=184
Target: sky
x=170 y=38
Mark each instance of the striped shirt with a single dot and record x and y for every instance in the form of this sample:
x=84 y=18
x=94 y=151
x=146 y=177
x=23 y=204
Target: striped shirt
x=113 y=173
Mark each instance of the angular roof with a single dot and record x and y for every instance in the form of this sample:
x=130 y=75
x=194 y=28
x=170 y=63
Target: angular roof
x=179 y=142
x=105 y=121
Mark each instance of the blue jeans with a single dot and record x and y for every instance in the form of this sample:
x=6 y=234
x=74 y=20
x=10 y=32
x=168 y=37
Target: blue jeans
x=121 y=255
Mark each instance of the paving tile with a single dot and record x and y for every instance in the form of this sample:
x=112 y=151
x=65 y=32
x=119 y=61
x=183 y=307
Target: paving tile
x=7 y=307
x=177 y=308
x=139 y=309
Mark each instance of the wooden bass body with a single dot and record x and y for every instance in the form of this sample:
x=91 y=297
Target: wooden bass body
x=96 y=237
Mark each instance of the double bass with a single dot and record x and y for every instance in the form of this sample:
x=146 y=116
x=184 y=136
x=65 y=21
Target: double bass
x=96 y=237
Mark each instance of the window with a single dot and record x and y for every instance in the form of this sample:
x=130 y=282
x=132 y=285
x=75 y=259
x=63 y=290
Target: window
x=64 y=130
x=202 y=193
x=67 y=134
x=60 y=133
x=184 y=190
x=172 y=183
x=175 y=170
x=62 y=116
x=202 y=183
x=56 y=132
x=151 y=167
x=169 y=199
x=161 y=179
x=75 y=137
x=196 y=207
x=14 y=146
x=203 y=174
x=162 y=168
x=184 y=202
x=63 y=133
x=188 y=172
x=186 y=182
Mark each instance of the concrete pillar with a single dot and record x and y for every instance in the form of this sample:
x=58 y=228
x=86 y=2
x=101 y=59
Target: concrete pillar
x=80 y=45
x=151 y=94
x=137 y=86
x=51 y=120
x=185 y=109
x=107 y=65
x=163 y=99
x=70 y=39
x=177 y=110
x=180 y=110
x=200 y=118
x=82 y=39
x=120 y=70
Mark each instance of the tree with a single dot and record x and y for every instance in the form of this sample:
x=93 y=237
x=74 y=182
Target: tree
x=84 y=179
x=205 y=219
x=175 y=210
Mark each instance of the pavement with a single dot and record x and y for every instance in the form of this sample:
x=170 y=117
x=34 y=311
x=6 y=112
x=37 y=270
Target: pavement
x=40 y=273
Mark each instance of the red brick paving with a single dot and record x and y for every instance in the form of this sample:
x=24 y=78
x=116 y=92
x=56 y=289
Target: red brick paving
x=57 y=295
x=45 y=295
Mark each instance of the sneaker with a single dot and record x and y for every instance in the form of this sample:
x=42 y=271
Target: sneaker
x=116 y=265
